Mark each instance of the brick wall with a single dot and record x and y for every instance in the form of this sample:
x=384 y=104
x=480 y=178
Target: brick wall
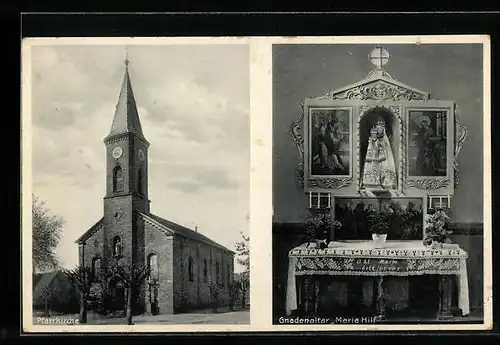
x=122 y=227
x=194 y=292
x=177 y=290
x=94 y=247
x=156 y=242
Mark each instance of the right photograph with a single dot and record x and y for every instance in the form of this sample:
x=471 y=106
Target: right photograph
x=378 y=184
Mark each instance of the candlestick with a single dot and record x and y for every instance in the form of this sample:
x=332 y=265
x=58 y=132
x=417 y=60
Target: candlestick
x=310 y=199
x=449 y=201
x=329 y=200
x=319 y=199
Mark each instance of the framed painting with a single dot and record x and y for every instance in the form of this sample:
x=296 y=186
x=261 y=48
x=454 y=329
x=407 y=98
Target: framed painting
x=430 y=146
x=330 y=142
x=427 y=142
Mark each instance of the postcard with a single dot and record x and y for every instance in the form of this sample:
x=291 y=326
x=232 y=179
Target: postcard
x=239 y=184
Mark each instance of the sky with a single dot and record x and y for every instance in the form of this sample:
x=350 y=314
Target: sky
x=193 y=103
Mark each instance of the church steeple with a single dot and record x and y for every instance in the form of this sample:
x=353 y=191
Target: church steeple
x=126 y=156
x=126 y=118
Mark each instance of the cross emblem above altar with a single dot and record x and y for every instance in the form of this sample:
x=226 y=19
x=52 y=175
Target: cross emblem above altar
x=379 y=57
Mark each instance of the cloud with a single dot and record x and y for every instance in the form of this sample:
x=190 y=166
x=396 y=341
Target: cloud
x=57 y=115
x=187 y=109
x=186 y=186
x=192 y=178
x=216 y=179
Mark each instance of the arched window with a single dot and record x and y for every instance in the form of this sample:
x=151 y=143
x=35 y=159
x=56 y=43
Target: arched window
x=153 y=267
x=190 y=269
x=96 y=269
x=117 y=179
x=139 y=181
x=117 y=246
x=217 y=272
x=205 y=270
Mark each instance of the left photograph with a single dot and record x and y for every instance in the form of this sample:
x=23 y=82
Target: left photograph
x=139 y=184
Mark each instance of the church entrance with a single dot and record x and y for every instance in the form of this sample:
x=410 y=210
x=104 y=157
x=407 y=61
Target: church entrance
x=118 y=297
x=153 y=298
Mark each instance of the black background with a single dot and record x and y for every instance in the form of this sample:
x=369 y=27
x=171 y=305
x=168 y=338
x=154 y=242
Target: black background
x=17 y=26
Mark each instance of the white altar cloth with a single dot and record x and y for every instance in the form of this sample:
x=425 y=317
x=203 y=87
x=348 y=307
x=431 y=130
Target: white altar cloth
x=307 y=260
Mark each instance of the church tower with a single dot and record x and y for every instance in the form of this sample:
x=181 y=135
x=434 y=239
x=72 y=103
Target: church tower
x=126 y=176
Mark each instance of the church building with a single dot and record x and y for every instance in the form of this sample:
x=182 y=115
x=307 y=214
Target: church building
x=184 y=264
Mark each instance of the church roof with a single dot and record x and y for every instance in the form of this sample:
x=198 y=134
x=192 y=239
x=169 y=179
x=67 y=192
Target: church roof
x=183 y=231
x=126 y=118
x=166 y=224
x=97 y=226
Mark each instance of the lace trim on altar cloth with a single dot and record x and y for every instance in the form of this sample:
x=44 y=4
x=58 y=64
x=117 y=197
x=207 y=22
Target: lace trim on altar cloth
x=376 y=267
x=454 y=251
x=377 y=274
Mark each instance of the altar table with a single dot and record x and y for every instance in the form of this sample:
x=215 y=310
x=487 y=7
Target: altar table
x=396 y=258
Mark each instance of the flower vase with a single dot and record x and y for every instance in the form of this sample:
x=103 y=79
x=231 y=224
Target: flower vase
x=436 y=245
x=379 y=240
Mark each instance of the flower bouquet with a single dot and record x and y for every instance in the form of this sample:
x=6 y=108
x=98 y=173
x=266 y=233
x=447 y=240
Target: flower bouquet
x=379 y=223
x=317 y=227
x=436 y=229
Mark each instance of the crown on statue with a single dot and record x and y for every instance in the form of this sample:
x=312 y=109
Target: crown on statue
x=373 y=130
x=381 y=123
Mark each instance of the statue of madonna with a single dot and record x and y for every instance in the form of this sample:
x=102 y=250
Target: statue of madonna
x=379 y=169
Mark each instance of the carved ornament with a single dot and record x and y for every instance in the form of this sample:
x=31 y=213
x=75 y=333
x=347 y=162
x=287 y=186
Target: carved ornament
x=296 y=130
x=299 y=174
x=393 y=109
x=379 y=90
x=428 y=183
x=460 y=136
x=329 y=183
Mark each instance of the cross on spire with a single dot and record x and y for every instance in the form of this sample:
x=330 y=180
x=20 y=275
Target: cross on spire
x=127 y=61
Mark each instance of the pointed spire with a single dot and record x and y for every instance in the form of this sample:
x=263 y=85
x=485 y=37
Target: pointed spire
x=126 y=118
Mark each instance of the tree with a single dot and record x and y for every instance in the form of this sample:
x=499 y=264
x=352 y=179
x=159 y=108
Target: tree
x=243 y=253
x=81 y=279
x=215 y=293
x=47 y=294
x=132 y=277
x=47 y=231
x=244 y=287
x=233 y=294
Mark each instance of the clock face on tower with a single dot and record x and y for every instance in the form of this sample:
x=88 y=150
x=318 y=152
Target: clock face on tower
x=117 y=152
x=141 y=155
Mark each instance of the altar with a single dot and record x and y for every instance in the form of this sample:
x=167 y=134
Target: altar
x=378 y=160
x=397 y=258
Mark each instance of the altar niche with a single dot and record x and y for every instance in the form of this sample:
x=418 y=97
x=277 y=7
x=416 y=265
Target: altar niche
x=406 y=222
x=379 y=150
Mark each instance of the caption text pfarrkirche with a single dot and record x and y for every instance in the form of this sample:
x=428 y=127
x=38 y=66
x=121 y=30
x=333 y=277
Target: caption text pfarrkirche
x=288 y=320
